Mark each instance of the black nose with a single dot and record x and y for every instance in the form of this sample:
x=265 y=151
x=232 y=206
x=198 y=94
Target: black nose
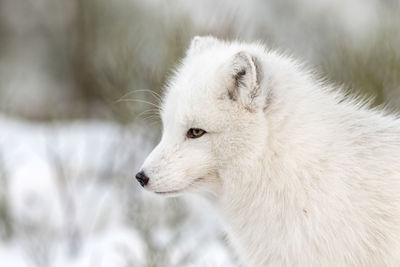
x=142 y=178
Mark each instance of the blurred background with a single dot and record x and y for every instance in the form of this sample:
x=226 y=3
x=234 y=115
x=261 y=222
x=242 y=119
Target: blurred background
x=80 y=85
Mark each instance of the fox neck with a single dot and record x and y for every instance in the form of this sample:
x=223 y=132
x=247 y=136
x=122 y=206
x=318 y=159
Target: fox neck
x=264 y=195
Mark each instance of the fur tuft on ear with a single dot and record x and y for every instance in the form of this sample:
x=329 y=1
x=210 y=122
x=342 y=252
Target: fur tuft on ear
x=199 y=43
x=246 y=74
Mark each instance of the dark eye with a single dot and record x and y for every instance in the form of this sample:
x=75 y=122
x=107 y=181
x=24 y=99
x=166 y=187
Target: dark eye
x=195 y=133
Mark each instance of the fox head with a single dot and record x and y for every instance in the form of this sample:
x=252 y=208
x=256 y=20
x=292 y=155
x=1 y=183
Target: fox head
x=213 y=117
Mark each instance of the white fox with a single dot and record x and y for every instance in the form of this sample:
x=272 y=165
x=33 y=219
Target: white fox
x=301 y=174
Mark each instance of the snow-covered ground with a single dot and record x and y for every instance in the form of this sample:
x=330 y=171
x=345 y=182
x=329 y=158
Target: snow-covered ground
x=69 y=199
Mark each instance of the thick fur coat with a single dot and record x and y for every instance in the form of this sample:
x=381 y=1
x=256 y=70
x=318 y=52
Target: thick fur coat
x=301 y=174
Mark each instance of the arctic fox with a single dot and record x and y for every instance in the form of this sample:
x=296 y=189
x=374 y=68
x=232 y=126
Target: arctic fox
x=301 y=174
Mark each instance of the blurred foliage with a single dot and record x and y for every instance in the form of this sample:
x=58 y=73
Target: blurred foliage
x=372 y=67
x=111 y=49
x=172 y=217
x=106 y=55
x=100 y=52
x=6 y=222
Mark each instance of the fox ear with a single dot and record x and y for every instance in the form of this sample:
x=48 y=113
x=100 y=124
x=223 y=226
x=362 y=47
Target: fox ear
x=246 y=79
x=199 y=43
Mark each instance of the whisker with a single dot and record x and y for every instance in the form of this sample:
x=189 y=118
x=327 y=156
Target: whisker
x=153 y=113
x=154 y=94
x=153 y=123
x=139 y=101
x=152 y=120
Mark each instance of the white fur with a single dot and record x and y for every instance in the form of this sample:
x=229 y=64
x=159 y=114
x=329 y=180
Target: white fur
x=301 y=174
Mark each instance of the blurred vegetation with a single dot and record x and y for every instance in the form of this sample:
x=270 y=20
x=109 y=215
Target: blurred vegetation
x=106 y=55
x=111 y=52
x=6 y=222
x=103 y=52
x=173 y=217
x=372 y=67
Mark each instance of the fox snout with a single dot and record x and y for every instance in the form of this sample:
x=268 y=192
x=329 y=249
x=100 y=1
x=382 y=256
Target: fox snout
x=142 y=178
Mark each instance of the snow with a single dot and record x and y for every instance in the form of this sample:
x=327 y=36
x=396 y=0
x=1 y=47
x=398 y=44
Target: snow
x=73 y=202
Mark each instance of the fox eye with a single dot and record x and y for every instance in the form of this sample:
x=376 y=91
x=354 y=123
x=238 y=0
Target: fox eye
x=195 y=133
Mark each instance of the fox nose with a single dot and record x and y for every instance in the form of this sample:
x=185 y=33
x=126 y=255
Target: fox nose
x=142 y=178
